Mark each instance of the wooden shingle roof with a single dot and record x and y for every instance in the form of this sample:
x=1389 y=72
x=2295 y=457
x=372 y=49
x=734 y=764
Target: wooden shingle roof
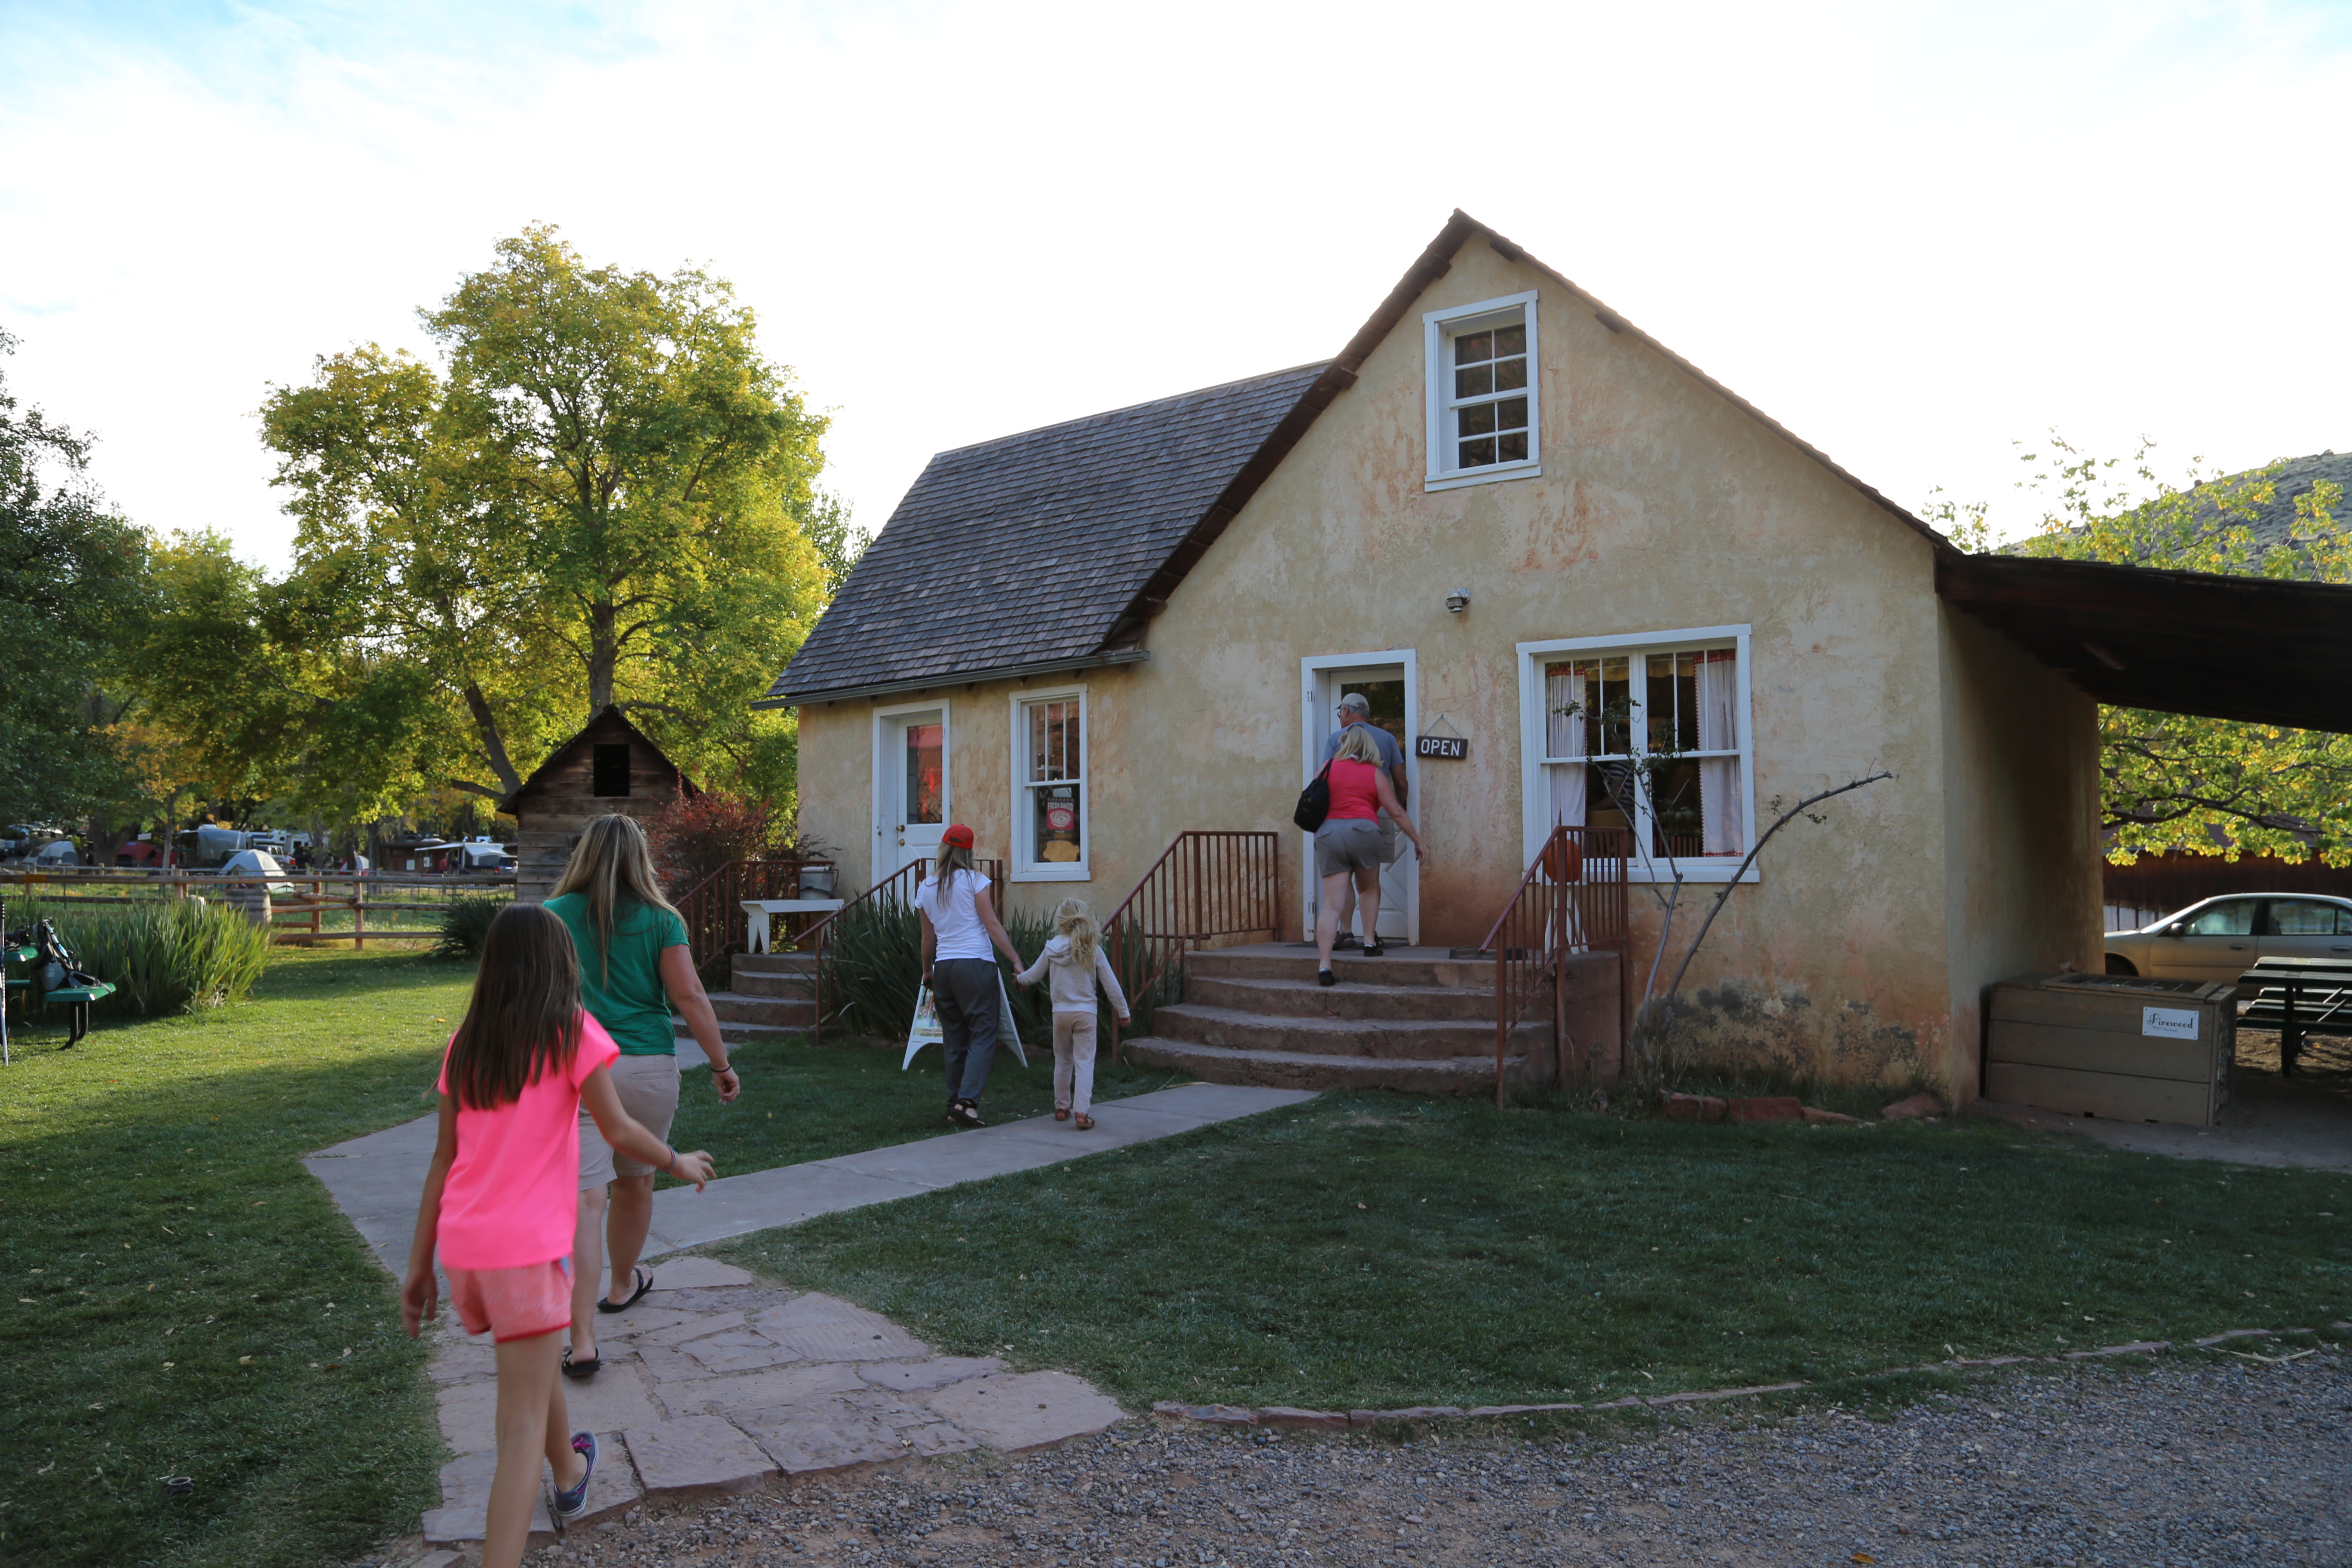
x=1050 y=549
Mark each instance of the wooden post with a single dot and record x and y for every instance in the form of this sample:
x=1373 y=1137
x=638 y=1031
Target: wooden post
x=359 y=914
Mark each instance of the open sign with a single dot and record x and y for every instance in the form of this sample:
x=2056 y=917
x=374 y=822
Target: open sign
x=1447 y=748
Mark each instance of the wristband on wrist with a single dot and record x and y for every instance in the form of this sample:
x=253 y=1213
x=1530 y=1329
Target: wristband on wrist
x=671 y=1169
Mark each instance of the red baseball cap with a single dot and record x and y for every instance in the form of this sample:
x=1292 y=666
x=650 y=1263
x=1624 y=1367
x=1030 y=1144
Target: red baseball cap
x=959 y=834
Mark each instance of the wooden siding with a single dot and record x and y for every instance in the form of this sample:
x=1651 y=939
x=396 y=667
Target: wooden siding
x=553 y=811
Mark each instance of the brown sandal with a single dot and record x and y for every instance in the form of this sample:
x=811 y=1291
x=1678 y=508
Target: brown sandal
x=1061 y=1113
x=1084 y=1121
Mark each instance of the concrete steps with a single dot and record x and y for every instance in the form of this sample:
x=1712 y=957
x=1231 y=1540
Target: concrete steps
x=1416 y=1019
x=771 y=995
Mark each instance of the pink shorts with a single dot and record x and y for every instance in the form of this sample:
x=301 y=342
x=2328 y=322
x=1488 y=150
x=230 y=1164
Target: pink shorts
x=513 y=1303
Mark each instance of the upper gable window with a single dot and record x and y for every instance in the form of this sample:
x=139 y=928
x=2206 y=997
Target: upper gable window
x=1484 y=422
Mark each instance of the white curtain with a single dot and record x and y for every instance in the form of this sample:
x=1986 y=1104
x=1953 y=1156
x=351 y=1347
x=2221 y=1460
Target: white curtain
x=1564 y=737
x=1723 y=814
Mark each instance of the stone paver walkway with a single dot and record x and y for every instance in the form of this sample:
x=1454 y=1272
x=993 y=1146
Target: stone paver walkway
x=716 y=1382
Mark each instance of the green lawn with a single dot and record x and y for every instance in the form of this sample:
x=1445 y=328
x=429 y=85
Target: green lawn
x=154 y=1210
x=1377 y=1251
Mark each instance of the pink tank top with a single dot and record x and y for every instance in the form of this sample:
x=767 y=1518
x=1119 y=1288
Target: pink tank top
x=1355 y=791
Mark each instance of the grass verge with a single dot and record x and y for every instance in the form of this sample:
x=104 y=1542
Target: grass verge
x=813 y=1102
x=187 y=1301
x=1375 y=1251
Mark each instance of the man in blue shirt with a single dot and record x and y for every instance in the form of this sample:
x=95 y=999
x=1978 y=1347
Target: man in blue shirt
x=1356 y=709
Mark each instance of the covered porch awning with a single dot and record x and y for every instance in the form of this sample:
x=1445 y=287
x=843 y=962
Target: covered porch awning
x=2254 y=649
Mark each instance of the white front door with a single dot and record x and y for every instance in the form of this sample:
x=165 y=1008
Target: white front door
x=1389 y=688
x=910 y=795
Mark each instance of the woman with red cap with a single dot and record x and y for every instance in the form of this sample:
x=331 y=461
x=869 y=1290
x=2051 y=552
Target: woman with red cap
x=961 y=937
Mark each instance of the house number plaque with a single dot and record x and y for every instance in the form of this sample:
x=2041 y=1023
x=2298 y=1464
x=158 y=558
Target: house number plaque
x=1446 y=748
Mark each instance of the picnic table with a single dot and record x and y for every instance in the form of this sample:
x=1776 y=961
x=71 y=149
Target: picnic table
x=2299 y=996
x=761 y=909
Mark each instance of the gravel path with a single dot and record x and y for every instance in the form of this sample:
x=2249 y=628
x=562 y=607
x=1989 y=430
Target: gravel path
x=2178 y=1463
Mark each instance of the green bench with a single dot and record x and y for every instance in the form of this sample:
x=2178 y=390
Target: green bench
x=2299 y=996
x=76 y=999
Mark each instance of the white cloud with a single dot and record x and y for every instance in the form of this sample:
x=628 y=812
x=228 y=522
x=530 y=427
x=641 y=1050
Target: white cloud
x=1912 y=234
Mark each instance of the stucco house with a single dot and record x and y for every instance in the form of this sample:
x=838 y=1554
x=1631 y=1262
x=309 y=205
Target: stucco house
x=1514 y=520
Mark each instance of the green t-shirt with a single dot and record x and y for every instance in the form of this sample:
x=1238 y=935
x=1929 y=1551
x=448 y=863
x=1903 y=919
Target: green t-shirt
x=625 y=991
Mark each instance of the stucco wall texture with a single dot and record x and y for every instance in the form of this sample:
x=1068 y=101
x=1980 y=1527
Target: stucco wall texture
x=1864 y=946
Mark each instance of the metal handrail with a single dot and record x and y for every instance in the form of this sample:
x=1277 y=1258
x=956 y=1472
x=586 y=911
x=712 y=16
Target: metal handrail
x=899 y=885
x=712 y=907
x=1207 y=884
x=1571 y=900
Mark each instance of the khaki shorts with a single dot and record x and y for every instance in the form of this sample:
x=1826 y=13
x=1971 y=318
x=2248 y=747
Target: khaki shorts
x=648 y=1087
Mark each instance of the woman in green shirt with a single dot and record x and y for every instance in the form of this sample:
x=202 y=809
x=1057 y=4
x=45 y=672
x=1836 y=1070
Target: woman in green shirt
x=635 y=968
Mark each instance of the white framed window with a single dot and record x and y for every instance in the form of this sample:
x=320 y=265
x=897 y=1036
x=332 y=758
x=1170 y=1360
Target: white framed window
x=1485 y=422
x=1649 y=733
x=1050 y=830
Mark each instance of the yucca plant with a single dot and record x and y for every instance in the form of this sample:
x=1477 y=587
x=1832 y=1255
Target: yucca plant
x=465 y=922
x=182 y=955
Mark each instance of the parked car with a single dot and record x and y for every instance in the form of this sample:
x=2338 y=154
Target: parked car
x=258 y=863
x=2221 y=938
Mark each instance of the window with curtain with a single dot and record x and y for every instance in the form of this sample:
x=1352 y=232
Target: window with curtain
x=1051 y=780
x=1648 y=740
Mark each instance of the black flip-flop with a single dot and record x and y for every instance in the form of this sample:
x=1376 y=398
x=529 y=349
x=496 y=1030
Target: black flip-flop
x=644 y=1282
x=588 y=1368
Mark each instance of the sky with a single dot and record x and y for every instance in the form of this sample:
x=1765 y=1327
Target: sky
x=1916 y=234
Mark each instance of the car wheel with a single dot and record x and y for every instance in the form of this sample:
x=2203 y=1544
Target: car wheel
x=2118 y=965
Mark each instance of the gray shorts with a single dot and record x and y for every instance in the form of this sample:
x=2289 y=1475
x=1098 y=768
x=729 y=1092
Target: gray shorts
x=1347 y=844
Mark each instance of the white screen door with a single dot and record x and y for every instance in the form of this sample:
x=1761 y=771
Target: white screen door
x=1388 y=689
x=912 y=792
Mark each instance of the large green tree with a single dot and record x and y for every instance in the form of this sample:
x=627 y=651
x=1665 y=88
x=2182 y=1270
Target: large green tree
x=603 y=493
x=72 y=578
x=2171 y=781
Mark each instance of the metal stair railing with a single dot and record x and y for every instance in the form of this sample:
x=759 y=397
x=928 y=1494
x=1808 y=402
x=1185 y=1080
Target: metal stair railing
x=1207 y=885
x=1571 y=900
x=898 y=887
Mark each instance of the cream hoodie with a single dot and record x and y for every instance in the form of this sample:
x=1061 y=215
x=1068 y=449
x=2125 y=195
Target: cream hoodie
x=1073 y=988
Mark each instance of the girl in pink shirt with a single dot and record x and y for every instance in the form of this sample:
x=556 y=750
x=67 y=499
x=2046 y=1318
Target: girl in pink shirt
x=501 y=1198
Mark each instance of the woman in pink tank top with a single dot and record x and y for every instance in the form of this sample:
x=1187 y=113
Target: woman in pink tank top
x=1347 y=844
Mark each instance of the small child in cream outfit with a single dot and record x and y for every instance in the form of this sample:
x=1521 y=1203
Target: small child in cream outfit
x=1074 y=961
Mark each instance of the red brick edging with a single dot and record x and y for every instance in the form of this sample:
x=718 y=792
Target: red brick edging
x=1283 y=1415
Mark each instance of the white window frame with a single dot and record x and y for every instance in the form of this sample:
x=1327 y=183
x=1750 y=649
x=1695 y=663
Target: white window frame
x=1438 y=329
x=1638 y=868
x=1022 y=866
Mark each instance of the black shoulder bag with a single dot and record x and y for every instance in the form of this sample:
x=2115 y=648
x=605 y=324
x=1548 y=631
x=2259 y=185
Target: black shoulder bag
x=1315 y=801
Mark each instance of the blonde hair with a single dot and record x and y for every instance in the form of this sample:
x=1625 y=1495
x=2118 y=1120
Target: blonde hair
x=1358 y=746
x=1073 y=920
x=611 y=862
x=953 y=857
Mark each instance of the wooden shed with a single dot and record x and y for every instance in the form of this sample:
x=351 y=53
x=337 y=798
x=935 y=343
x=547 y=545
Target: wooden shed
x=609 y=766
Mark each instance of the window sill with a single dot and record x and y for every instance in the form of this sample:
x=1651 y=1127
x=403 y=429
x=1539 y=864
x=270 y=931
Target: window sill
x=1708 y=871
x=1070 y=871
x=1455 y=481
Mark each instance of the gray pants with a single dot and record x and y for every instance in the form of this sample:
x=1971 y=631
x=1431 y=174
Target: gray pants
x=966 y=991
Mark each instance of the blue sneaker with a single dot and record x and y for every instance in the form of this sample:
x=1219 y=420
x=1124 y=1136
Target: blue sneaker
x=572 y=1501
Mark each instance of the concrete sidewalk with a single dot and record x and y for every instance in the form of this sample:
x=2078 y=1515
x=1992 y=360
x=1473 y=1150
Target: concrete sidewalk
x=376 y=1180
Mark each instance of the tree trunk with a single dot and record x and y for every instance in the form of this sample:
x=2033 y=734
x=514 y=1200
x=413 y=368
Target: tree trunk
x=492 y=742
x=603 y=655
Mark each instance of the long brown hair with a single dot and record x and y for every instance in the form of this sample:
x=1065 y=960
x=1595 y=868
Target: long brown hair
x=523 y=1018
x=611 y=862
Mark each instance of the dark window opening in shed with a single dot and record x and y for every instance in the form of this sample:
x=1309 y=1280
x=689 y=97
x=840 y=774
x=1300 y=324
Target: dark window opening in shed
x=610 y=771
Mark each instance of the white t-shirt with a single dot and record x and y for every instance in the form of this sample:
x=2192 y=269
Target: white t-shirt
x=958 y=927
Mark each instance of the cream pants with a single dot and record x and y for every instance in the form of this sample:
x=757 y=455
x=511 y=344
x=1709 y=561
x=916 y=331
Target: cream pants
x=1074 y=1057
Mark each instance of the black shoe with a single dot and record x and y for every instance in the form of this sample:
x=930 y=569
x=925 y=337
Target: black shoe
x=588 y=1368
x=1347 y=940
x=1373 y=950
x=1324 y=977
x=964 y=1113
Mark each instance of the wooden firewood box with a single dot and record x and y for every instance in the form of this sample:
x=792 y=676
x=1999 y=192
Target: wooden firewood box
x=2117 y=1045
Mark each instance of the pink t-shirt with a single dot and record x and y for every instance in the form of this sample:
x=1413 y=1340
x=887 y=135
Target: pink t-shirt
x=512 y=1198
